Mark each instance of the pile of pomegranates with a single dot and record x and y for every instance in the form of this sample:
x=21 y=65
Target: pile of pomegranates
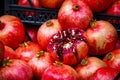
x=71 y=47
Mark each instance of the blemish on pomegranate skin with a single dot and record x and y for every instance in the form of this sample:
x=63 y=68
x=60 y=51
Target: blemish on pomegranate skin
x=109 y=37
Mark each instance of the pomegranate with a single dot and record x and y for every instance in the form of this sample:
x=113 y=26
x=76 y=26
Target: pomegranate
x=51 y=4
x=12 y=31
x=60 y=71
x=39 y=63
x=14 y=69
x=87 y=67
x=68 y=46
x=106 y=73
x=27 y=50
x=99 y=5
x=74 y=13
x=114 y=9
x=112 y=59
x=102 y=37
x=46 y=30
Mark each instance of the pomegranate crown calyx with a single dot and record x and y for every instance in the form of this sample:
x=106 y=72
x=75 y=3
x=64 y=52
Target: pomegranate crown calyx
x=76 y=7
x=84 y=62
x=49 y=23
x=93 y=23
x=57 y=63
x=41 y=53
x=7 y=62
x=109 y=56
x=24 y=44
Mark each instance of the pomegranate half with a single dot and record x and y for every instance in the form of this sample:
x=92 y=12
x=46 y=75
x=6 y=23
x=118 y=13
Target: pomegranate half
x=68 y=46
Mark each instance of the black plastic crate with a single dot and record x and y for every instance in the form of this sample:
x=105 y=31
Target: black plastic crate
x=1 y=7
x=40 y=14
x=43 y=14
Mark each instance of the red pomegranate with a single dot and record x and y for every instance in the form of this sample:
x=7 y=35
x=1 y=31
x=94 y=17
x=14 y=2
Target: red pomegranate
x=41 y=61
x=51 y=4
x=102 y=37
x=27 y=50
x=46 y=30
x=99 y=5
x=87 y=67
x=114 y=9
x=68 y=46
x=112 y=59
x=12 y=31
x=15 y=69
x=59 y=71
x=106 y=73
x=74 y=13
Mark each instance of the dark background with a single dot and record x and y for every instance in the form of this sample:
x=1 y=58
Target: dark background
x=1 y=7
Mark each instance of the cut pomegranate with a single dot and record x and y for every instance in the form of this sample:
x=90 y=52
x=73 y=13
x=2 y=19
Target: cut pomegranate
x=68 y=46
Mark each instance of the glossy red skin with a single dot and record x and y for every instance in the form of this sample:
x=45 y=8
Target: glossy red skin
x=68 y=17
x=60 y=72
x=87 y=70
x=98 y=5
x=101 y=38
x=115 y=0
x=12 y=31
x=18 y=70
x=51 y=4
x=10 y=53
x=35 y=3
x=39 y=64
x=32 y=33
x=114 y=9
x=45 y=32
x=105 y=73
x=28 y=51
x=115 y=61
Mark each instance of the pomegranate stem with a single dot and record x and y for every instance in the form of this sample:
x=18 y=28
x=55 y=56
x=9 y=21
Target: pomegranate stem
x=49 y=23
x=24 y=44
x=7 y=62
x=76 y=7
x=93 y=23
x=84 y=62
x=109 y=56
x=57 y=63
x=41 y=53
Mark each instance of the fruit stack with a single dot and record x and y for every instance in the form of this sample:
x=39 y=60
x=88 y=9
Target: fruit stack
x=73 y=46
